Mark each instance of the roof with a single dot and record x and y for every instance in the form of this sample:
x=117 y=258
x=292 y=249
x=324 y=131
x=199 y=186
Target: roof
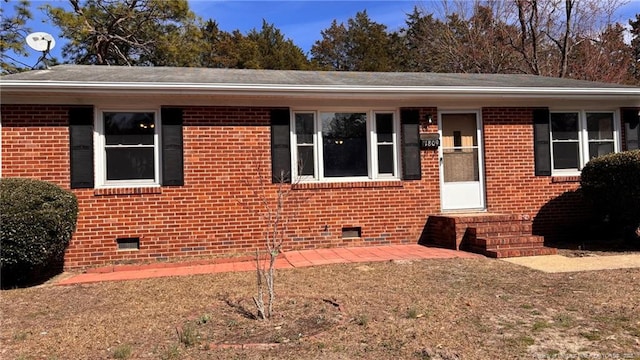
x=177 y=75
x=77 y=83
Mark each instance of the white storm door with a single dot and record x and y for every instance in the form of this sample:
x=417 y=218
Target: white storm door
x=462 y=185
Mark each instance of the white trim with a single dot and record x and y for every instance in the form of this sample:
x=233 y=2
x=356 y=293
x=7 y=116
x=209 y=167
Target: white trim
x=99 y=149
x=583 y=138
x=294 y=146
x=318 y=152
x=480 y=147
x=374 y=170
x=270 y=88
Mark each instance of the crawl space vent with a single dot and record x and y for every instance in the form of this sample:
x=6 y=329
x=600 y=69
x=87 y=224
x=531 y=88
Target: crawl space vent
x=128 y=243
x=351 y=232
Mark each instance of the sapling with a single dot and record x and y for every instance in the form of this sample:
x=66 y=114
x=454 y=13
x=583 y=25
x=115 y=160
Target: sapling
x=276 y=216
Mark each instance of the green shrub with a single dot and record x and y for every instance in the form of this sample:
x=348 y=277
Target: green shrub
x=612 y=184
x=38 y=219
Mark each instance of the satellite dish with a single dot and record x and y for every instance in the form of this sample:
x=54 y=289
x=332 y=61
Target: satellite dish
x=41 y=41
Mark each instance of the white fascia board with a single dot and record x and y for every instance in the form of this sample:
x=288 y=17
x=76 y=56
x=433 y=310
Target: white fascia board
x=306 y=90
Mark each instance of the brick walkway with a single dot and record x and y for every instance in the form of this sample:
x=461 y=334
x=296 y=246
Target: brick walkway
x=288 y=260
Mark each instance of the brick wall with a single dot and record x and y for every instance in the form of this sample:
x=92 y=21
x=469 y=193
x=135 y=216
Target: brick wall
x=511 y=185
x=217 y=212
x=35 y=143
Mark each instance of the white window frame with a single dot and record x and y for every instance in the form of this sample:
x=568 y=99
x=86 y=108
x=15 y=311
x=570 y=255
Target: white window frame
x=372 y=146
x=100 y=165
x=583 y=138
x=294 y=145
x=375 y=143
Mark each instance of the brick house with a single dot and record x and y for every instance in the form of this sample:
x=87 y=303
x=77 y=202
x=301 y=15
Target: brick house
x=166 y=162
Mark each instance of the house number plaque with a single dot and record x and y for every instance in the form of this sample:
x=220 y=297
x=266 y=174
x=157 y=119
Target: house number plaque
x=429 y=141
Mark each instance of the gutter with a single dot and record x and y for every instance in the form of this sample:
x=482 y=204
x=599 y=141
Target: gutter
x=269 y=89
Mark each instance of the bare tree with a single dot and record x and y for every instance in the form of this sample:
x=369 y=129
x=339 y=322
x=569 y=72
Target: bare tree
x=604 y=57
x=277 y=208
x=540 y=37
x=550 y=31
x=274 y=235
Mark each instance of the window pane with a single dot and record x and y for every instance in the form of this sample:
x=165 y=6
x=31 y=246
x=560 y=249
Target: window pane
x=130 y=163
x=344 y=144
x=598 y=148
x=600 y=126
x=305 y=160
x=564 y=126
x=385 y=159
x=632 y=133
x=566 y=155
x=384 y=127
x=127 y=128
x=304 y=128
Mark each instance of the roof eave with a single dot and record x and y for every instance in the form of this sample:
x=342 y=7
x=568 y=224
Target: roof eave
x=271 y=88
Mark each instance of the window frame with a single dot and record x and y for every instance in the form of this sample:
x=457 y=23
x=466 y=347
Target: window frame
x=100 y=147
x=373 y=173
x=583 y=138
x=375 y=144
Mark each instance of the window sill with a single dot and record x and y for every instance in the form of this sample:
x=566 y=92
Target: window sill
x=565 y=179
x=345 y=185
x=127 y=191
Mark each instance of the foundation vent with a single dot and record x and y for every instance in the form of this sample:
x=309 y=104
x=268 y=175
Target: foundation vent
x=351 y=232
x=131 y=243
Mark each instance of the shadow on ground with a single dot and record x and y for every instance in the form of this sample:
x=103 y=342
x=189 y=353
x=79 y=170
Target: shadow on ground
x=569 y=222
x=22 y=277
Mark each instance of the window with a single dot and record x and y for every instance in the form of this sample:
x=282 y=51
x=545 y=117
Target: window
x=632 y=133
x=577 y=137
x=305 y=126
x=333 y=146
x=122 y=148
x=127 y=148
x=386 y=144
x=564 y=138
x=344 y=144
x=600 y=134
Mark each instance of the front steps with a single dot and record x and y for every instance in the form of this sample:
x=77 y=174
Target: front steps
x=493 y=235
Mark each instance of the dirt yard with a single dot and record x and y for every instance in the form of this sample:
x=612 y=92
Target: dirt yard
x=433 y=309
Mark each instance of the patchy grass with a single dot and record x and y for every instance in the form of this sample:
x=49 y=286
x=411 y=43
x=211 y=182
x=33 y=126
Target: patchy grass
x=540 y=325
x=188 y=335
x=122 y=352
x=473 y=309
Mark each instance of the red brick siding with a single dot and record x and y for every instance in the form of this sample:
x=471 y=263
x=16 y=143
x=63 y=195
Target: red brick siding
x=35 y=143
x=216 y=211
x=511 y=185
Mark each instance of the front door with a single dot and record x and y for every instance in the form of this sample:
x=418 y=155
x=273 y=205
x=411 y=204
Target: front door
x=462 y=183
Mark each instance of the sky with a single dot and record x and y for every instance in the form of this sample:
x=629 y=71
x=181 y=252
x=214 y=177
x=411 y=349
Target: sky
x=299 y=20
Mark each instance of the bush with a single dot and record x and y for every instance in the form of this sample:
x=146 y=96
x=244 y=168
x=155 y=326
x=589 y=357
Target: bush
x=612 y=184
x=38 y=219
